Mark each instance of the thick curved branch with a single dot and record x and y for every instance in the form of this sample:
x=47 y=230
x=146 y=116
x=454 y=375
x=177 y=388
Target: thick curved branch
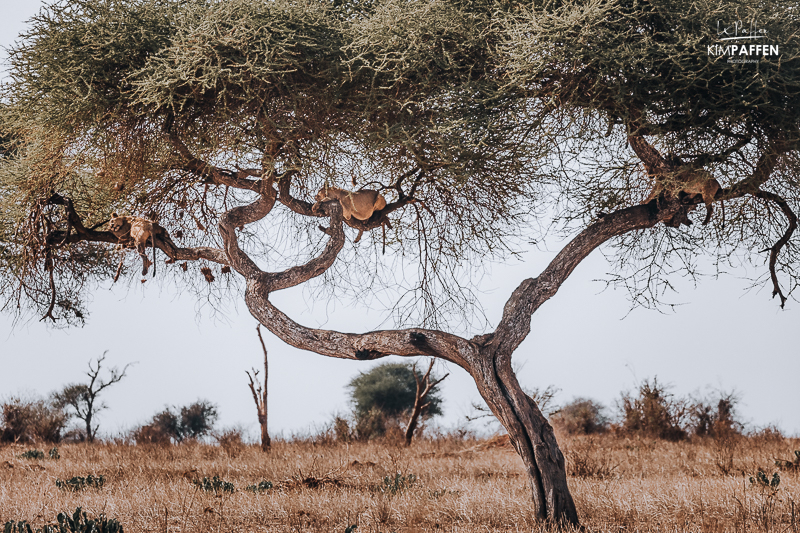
x=218 y=176
x=238 y=217
x=296 y=275
x=533 y=292
x=364 y=346
x=776 y=248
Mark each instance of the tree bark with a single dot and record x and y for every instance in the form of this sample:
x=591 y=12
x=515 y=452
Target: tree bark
x=424 y=387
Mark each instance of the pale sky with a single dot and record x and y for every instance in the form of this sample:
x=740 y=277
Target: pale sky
x=583 y=341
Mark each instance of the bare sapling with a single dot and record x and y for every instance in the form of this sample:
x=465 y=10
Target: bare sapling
x=260 y=394
x=424 y=386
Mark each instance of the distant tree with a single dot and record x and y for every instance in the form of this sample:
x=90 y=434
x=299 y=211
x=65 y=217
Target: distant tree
x=191 y=422
x=197 y=419
x=80 y=399
x=31 y=420
x=389 y=391
x=260 y=394
x=581 y=416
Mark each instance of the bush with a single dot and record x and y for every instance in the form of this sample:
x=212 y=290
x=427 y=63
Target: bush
x=195 y=420
x=78 y=483
x=31 y=420
x=214 y=484
x=716 y=417
x=32 y=454
x=581 y=416
x=372 y=423
x=77 y=523
x=654 y=412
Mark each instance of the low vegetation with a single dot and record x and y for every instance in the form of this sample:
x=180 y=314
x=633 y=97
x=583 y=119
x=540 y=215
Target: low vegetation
x=443 y=483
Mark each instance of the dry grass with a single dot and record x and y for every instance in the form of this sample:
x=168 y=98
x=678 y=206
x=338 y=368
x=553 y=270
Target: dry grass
x=619 y=484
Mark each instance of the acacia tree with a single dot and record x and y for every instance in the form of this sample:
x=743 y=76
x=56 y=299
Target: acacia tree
x=475 y=118
x=81 y=398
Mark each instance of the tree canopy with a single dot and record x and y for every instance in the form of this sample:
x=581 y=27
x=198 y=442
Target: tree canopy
x=485 y=123
x=390 y=388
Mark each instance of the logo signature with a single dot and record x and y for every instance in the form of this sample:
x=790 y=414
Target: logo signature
x=731 y=31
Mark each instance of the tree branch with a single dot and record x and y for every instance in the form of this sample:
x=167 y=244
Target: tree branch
x=216 y=175
x=764 y=167
x=776 y=248
x=533 y=292
x=238 y=217
x=82 y=234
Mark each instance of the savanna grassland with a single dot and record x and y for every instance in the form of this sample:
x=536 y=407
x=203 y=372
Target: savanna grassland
x=439 y=484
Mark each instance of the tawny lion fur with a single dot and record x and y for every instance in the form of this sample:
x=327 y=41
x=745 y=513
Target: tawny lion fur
x=359 y=205
x=701 y=183
x=140 y=230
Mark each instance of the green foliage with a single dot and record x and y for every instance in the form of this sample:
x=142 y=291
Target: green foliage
x=32 y=454
x=53 y=453
x=262 y=486
x=79 y=522
x=78 y=483
x=215 y=485
x=374 y=89
x=653 y=56
x=582 y=416
x=762 y=481
x=29 y=420
x=194 y=421
x=390 y=388
x=398 y=483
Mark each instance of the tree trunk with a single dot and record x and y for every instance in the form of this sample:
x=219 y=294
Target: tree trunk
x=412 y=422
x=265 y=440
x=532 y=437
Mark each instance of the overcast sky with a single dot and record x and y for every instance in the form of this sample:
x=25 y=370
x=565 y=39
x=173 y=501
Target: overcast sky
x=583 y=341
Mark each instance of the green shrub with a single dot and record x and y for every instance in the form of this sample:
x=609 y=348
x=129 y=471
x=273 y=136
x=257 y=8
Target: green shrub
x=215 y=484
x=79 y=522
x=391 y=388
x=32 y=454
x=370 y=424
x=53 y=453
x=193 y=421
x=262 y=486
x=78 y=483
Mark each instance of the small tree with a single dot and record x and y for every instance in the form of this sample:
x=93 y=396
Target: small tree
x=81 y=399
x=194 y=421
x=421 y=403
x=389 y=391
x=260 y=394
